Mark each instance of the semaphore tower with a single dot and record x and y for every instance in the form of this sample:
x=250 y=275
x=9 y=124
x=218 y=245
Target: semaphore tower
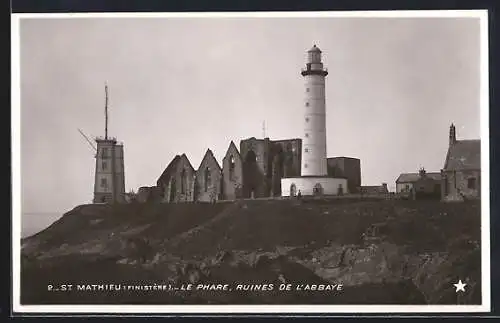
x=109 y=185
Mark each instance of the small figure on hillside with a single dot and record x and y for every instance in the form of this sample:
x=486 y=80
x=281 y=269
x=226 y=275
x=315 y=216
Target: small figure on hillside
x=299 y=195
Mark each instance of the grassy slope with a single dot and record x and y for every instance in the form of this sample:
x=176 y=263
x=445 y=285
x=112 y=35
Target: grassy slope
x=197 y=232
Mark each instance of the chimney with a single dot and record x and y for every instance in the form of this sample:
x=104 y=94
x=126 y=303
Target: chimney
x=384 y=187
x=453 y=135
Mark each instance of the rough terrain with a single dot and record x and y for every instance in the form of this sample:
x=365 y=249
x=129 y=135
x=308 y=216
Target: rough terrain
x=380 y=251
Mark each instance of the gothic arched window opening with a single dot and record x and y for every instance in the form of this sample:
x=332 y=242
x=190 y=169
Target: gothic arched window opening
x=173 y=190
x=183 y=181
x=207 y=178
x=231 y=167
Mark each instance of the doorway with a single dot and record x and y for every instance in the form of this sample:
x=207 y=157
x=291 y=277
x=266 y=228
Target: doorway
x=173 y=190
x=318 y=190
x=250 y=174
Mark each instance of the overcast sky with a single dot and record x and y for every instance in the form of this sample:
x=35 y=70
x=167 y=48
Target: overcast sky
x=180 y=85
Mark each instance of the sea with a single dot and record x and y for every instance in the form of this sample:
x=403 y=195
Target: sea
x=34 y=222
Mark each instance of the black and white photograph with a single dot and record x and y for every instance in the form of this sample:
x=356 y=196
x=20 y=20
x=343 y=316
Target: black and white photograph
x=251 y=162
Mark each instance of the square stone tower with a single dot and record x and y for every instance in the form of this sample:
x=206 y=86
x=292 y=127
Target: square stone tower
x=109 y=185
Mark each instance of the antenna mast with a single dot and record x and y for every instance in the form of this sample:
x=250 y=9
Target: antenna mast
x=106 y=112
x=264 y=129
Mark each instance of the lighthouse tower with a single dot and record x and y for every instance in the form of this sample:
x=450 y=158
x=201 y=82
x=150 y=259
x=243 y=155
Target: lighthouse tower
x=314 y=179
x=314 y=135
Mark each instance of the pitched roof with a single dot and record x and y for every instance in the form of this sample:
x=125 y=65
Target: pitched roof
x=231 y=144
x=171 y=168
x=464 y=155
x=413 y=177
x=210 y=154
x=167 y=173
x=188 y=162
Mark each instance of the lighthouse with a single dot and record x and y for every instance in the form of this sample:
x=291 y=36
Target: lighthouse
x=314 y=179
x=314 y=135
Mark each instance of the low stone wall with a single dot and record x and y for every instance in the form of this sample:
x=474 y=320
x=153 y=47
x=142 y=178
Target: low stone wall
x=306 y=186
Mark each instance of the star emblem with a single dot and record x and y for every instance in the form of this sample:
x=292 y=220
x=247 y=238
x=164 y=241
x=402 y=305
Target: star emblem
x=459 y=286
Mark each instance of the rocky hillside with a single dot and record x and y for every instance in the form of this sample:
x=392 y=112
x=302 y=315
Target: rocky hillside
x=380 y=252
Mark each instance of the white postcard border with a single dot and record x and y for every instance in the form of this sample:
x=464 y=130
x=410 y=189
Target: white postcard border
x=228 y=309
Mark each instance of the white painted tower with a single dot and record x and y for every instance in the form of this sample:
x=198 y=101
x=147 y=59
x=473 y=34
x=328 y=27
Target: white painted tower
x=314 y=136
x=109 y=185
x=314 y=179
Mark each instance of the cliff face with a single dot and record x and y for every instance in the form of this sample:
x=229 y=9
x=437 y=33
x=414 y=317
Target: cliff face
x=382 y=252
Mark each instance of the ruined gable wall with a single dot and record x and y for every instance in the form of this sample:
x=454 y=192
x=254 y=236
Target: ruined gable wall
x=186 y=195
x=210 y=191
x=232 y=183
